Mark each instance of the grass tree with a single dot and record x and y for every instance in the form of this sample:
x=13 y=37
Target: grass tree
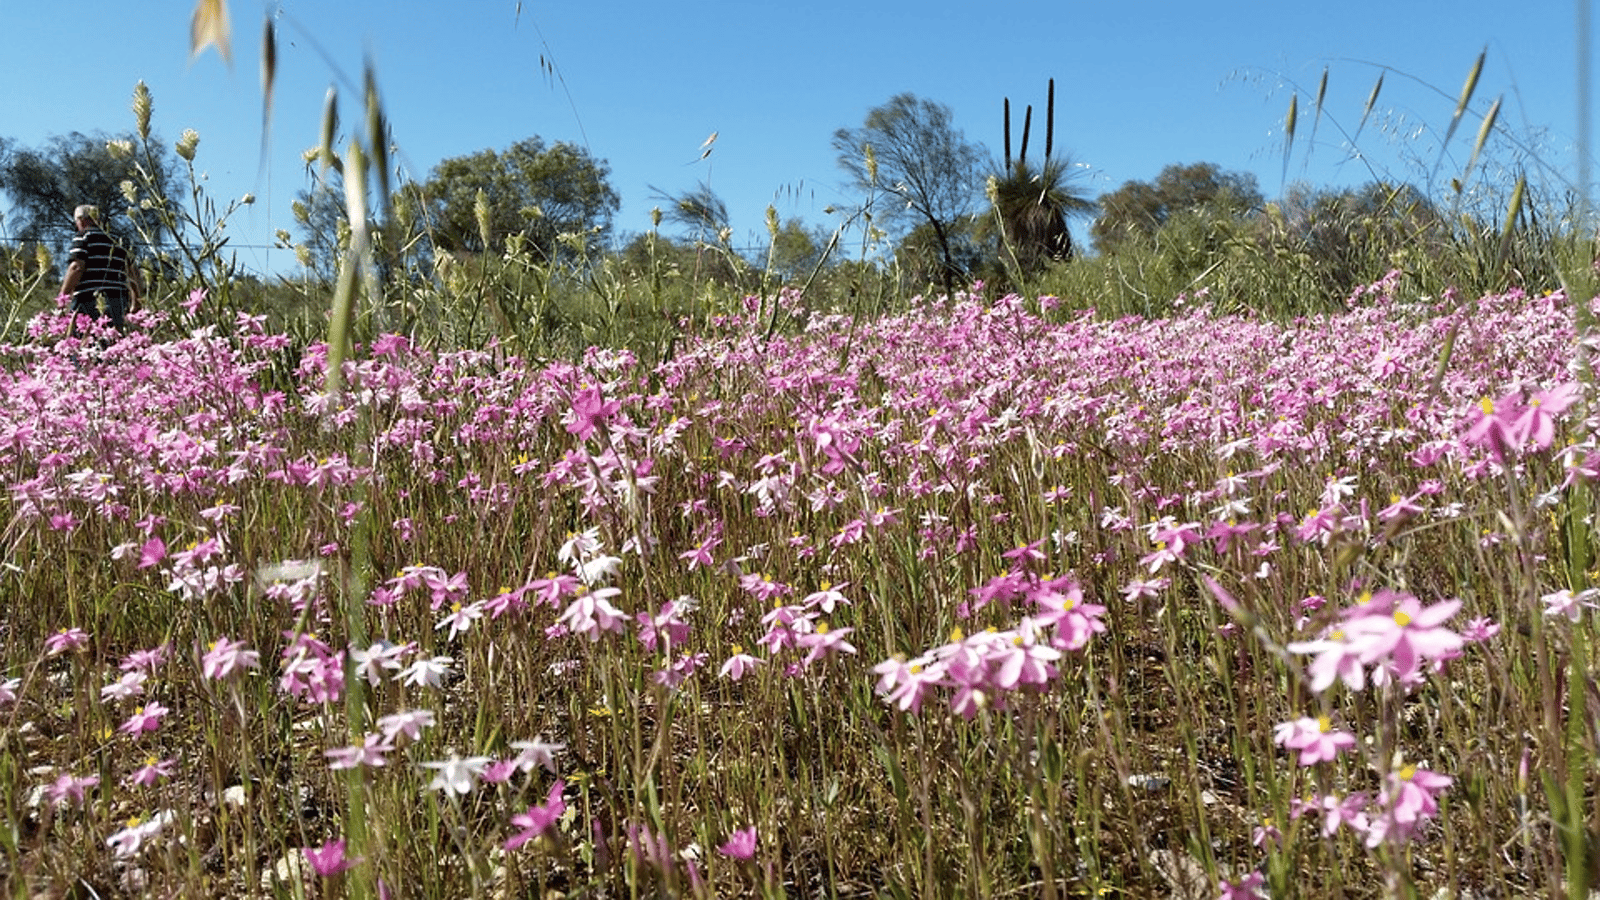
x=1032 y=204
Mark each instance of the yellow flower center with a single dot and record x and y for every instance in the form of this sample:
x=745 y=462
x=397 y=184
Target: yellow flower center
x=1401 y=619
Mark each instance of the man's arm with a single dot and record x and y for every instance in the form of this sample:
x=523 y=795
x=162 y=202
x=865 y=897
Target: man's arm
x=74 y=273
x=135 y=287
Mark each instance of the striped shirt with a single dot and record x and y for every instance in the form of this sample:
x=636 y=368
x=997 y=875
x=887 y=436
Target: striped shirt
x=105 y=268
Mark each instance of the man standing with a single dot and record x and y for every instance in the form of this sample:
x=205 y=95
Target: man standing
x=99 y=271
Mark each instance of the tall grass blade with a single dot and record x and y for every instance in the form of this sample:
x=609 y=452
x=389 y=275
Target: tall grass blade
x=378 y=140
x=330 y=126
x=1288 y=132
x=377 y=137
x=1513 y=212
x=1581 y=284
x=1366 y=111
x=1316 y=117
x=1461 y=104
x=344 y=298
x=269 y=78
x=1484 y=131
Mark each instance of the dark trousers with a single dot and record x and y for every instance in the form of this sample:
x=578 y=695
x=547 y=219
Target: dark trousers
x=115 y=304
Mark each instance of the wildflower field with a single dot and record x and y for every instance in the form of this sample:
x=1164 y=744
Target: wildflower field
x=981 y=599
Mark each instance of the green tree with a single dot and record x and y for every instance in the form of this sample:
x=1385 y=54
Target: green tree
x=922 y=257
x=910 y=149
x=796 y=250
x=652 y=258
x=321 y=227
x=541 y=192
x=44 y=184
x=1137 y=210
x=698 y=211
x=1352 y=236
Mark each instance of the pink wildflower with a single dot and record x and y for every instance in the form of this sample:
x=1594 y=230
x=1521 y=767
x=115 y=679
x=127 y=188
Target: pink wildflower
x=1565 y=603
x=1061 y=606
x=905 y=683
x=370 y=752
x=591 y=614
x=537 y=753
x=65 y=641
x=538 y=819
x=740 y=845
x=1314 y=738
x=226 y=657
x=380 y=657
x=499 y=771
x=152 y=553
x=1405 y=637
x=668 y=623
x=1491 y=427
x=460 y=618
x=1535 y=423
x=738 y=664
x=407 y=722
x=152 y=771
x=1250 y=887
x=128 y=840
x=456 y=775
x=145 y=719
x=701 y=554
x=329 y=859
x=70 y=788
x=826 y=597
x=1336 y=659
x=589 y=411
x=822 y=642
x=1480 y=630
x=1409 y=799
x=131 y=684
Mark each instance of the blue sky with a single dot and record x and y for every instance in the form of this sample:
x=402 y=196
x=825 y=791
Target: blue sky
x=1140 y=84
